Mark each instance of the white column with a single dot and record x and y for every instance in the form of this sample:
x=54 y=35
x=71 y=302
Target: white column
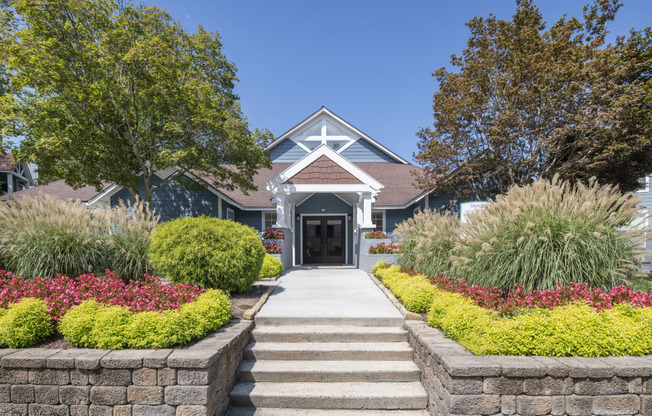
x=367 y=199
x=280 y=212
x=10 y=183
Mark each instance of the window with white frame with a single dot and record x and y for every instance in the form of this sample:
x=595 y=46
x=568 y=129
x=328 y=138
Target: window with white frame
x=378 y=217
x=645 y=184
x=230 y=215
x=269 y=219
x=325 y=132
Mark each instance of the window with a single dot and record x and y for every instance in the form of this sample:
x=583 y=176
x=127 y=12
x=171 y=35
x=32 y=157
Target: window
x=269 y=219
x=230 y=215
x=377 y=217
x=645 y=184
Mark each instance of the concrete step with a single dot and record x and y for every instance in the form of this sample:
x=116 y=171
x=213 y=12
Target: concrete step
x=328 y=371
x=251 y=411
x=327 y=333
x=329 y=351
x=352 y=321
x=381 y=396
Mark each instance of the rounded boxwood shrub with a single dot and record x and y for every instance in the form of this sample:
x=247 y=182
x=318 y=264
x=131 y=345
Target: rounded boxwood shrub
x=24 y=324
x=271 y=267
x=93 y=325
x=208 y=252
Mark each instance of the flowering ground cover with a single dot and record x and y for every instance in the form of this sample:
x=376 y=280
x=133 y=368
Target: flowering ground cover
x=104 y=312
x=378 y=234
x=62 y=292
x=384 y=248
x=272 y=247
x=273 y=234
x=568 y=320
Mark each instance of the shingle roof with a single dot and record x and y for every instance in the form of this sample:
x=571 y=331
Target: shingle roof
x=6 y=162
x=323 y=171
x=396 y=177
x=59 y=189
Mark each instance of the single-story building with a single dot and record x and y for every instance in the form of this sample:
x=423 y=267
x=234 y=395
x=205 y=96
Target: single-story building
x=14 y=177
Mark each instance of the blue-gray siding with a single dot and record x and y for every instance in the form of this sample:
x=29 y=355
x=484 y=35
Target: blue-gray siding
x=175 y=200
x=287 y=151
x=331 y=205
x=363 y=151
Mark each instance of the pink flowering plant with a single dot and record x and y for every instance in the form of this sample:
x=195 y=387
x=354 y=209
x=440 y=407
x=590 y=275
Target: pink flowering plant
x=273 y=234
x=272 y=248
x=62 y=293
x=384 y=248
x=516 y=300
x=378 y=234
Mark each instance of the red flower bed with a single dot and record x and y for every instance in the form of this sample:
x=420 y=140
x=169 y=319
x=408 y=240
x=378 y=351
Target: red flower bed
x=62 y=293
x=272 y=248
x=517 y=298
x=376 y=234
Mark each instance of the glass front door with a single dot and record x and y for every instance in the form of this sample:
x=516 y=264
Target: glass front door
x=323 y=240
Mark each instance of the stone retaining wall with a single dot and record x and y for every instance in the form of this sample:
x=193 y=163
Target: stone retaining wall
x=172 y=382
x=460 y=383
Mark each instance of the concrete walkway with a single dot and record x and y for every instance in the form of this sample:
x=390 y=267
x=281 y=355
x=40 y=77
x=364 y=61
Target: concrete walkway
x=328 y=295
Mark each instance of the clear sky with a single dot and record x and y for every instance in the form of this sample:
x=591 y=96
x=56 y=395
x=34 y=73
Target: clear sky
x=368 y=61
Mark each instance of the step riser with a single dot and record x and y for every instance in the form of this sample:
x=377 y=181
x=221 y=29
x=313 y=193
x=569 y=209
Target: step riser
x=361 y=322
x=380 y=403
x=288 y=377
x=250 y=411
x=328 y=355
x=317 y=337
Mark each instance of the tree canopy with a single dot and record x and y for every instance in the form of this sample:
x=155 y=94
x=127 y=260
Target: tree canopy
x=527 y=101
x=108 y=91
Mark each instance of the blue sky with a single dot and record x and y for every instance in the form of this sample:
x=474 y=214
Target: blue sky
x=368 y=61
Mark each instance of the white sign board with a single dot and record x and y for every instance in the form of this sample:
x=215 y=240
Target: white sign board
x=467 y=208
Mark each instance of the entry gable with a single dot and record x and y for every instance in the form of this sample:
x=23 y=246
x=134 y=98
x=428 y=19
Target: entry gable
x=323 y=170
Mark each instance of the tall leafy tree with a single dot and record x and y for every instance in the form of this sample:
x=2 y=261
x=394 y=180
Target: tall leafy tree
x=108 y=91
x=526 y=101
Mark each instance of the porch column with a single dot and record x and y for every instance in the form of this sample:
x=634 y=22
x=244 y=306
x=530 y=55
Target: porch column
x=10 y=183
x=283 y=212
x=366 y=199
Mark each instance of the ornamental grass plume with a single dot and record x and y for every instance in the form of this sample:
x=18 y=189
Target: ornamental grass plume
x=45 y=236
x=426 y=241
x=552 y=232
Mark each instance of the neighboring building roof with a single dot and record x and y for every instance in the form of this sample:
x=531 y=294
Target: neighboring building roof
x=323 y=171
x=59 y=189
x=7 y=162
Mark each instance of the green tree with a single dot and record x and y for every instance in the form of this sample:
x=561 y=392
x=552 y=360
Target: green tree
x=110 y=91
x=528 y=101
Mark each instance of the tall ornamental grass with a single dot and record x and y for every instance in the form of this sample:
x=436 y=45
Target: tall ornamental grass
x=45 y=236
x=552 y=232
x=426 y=241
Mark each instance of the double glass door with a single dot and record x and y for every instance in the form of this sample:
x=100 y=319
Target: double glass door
x=323 y=240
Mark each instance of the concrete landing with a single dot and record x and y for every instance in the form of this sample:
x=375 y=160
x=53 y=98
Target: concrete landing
x=340 y=296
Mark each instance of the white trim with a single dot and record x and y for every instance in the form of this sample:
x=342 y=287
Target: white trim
x=343 y=200
x=219 y=207
x=323 y=214
x=296 y=204
x=384 y=212
x=413 y=201
x=301 y=145
x=647 y=185
x=230 y=211
x=113 y=189
x=326 y=111
x=274 y=185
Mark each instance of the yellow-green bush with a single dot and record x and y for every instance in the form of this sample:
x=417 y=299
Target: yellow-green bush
x=208 y=252
x=415 y=292
x=271 y=267
x=24 y=324
x=572 y=330
x=114 y=327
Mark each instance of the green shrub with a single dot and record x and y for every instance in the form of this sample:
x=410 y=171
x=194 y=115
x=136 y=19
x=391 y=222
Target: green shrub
x=550 y=232
x=45 y=236
x=113 y=327
x=24 y=324
x=208 y=252
x=415 y=292
x=426 y=241
x=571 y=330
x=271 y=267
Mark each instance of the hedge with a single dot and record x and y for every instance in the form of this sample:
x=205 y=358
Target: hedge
x=93 y=325
x=271 y=267
x=571 y=330
x=24 y=324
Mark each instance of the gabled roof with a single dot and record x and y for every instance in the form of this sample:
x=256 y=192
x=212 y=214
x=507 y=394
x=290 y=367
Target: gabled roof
x=57 y=189
x=7 y=162
x=325 y=111
x=321 y=171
